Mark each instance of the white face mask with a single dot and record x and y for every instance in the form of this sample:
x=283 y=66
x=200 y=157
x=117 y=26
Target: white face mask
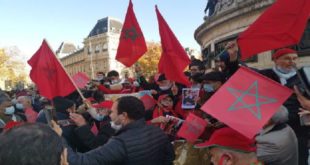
x=164 y=88
x=196 y=86
x=9 y=110
x=19 y=106
x=115 y=81
x=99 y=117
x=116 y=127
x=100 y=78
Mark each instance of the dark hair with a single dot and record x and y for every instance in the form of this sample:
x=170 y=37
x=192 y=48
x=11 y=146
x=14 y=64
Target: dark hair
x=198 y=63
x=98 y=96
x=101 y=73
x=113 y=73
x=132 y=105
x=199 y=77
x=4 y=97
x=215 y=76
x=30 y=144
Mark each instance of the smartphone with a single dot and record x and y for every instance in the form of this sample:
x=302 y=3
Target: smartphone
x=65 y=123
x=48 y=115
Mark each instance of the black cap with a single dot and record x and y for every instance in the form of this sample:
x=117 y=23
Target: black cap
x=61 y=104
x=215 y=76
x=161 y=77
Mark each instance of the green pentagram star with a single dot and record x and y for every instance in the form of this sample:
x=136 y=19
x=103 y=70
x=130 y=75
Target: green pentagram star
x=131 y=33
x=251 y=107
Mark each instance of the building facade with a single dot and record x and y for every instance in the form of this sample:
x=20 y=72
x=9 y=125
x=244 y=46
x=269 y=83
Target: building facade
x=99 y=50
x=230 y=18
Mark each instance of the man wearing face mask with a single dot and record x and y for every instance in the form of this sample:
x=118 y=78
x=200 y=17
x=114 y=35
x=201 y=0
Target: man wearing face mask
x=24 y=103
x=6 y=110
x=212 y=81
x=164 y=86
x=114 y=87
x=284 y=72
x=134 y=143
x=102 y=123
x=100 y=77
x=63 y=108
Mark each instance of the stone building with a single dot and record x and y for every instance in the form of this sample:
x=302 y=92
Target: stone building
x=232 y=17
x=99 y=50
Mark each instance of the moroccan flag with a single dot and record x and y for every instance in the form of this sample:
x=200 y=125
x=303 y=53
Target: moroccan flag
x=279 y=26
x=173 y=59
x=247 y=101
x=131 y=43
x=80 y=79
x=48 y=74
x=192 y=128
x=148 y=101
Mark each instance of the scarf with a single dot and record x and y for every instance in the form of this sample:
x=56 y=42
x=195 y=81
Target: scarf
x=283 y=77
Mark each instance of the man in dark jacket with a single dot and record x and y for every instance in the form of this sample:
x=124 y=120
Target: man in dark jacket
x=134 y=143
x=63 y=107
x=284 y=72
x=85 y=132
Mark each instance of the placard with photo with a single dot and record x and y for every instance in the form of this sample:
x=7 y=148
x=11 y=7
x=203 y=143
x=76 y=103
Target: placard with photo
x=189 y=97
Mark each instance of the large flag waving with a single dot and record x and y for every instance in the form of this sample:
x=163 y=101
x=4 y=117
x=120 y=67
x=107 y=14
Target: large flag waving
x=173 y=59
x=249 y=103
x=131 y=44
x=48 y=74
x=279 y=26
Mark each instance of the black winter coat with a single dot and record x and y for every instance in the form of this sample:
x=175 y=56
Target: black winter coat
x=135 y=144
x=292 y=104
x=91 y=140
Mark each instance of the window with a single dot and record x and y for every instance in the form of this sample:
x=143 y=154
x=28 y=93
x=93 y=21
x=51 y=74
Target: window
x=105 y=47
x=89 y=50
x=97 y=48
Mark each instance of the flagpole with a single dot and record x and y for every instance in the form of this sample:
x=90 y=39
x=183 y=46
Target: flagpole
x=76 y=87
x=218 y=55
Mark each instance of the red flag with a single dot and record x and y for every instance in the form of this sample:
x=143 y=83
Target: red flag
x=131 y=44
x=246 y=104
x=80 y=79
x=192 y=128
x=48 y=74
x=148 y=101
x=173 y=59
x=279 y=26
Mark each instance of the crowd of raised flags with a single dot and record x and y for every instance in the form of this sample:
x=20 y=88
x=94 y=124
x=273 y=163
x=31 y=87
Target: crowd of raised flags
x=238 y=115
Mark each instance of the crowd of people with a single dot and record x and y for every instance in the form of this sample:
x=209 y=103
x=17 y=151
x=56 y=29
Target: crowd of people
x=96 y=131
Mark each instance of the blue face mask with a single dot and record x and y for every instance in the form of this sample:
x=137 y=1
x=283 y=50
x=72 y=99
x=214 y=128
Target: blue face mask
x=208 y=88
x=9 y=110
x=285 y=71
x=19 y=106
x=99 y=117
